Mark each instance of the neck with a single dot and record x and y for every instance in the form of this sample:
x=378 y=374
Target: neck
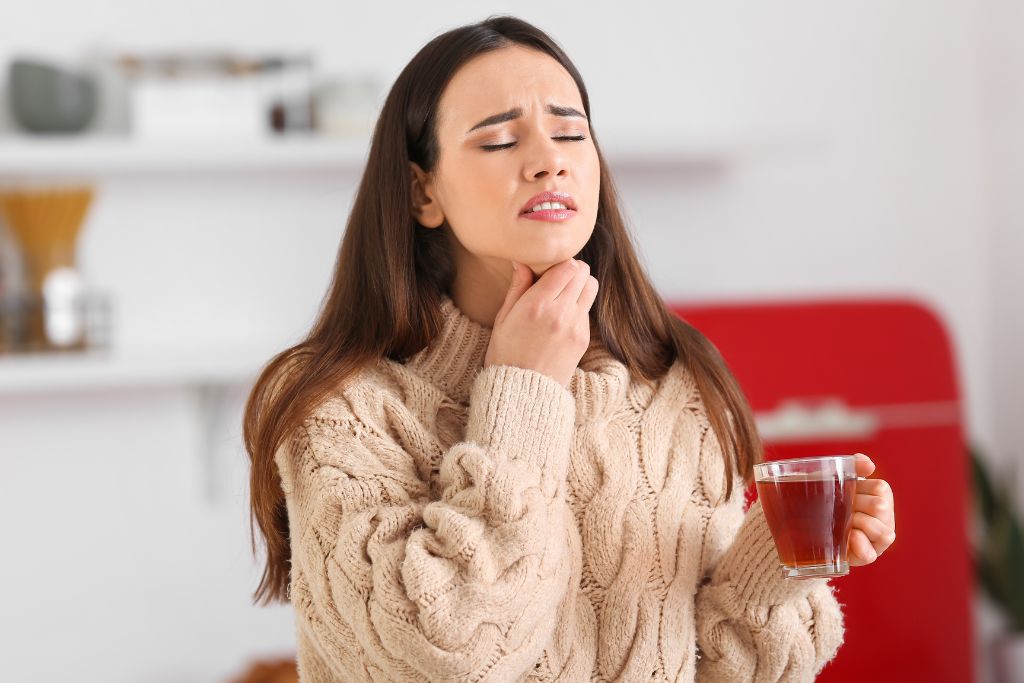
x=480 y=286
x=456 y=355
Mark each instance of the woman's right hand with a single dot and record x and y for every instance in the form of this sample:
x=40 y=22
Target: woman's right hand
x=545 y=326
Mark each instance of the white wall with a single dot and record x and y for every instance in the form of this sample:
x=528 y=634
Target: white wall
x=1003 y=85
x=120 y=563
x=885 y=190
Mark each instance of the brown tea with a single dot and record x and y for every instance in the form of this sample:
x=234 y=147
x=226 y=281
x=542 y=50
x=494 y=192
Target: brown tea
x=809 y=517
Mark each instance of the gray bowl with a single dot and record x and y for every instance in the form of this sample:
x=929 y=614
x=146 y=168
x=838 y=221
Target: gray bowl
x=48 y=99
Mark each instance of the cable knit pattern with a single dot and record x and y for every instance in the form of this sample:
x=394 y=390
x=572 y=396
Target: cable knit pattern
x=451 y=522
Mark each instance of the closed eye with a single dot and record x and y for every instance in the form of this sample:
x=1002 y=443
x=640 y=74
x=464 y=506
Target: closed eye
x=494 y=148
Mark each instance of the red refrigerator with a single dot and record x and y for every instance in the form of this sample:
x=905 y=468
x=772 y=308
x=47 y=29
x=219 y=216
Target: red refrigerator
x=877 y=377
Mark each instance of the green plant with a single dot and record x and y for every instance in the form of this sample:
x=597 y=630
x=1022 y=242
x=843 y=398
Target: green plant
x=999 y=551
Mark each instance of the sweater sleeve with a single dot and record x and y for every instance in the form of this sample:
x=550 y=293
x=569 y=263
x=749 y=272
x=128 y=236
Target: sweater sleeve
x=753 y=624
x=464 y=586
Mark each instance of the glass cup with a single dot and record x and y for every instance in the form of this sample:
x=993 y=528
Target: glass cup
x=808 y=504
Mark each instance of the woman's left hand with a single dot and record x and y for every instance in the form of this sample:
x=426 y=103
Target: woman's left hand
x=874 y=523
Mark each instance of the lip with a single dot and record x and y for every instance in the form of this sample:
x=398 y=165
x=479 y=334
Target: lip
x=552 y=215
x=540 y=198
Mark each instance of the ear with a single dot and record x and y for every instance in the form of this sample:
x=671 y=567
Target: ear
x=425 y=207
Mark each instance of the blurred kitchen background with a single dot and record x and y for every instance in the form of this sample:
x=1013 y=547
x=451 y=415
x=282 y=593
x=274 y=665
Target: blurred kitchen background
x=174 y=183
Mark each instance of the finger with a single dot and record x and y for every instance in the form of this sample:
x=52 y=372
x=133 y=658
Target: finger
x=860 y=551
x=572 y=290
x=554 y=280
x=874 y=487
x=876 y=506
x=864 y=465
x=877 y=532
x=522 y=279
x=589 y=293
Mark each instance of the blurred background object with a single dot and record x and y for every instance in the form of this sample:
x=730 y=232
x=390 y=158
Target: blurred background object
x=189 y=94
x=770 y=155
x=52 y=313
x=1000 y=563
x=346 y=106
x=50 y=99
x=270 y=671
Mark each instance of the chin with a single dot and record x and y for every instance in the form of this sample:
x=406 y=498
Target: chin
x=540 y=268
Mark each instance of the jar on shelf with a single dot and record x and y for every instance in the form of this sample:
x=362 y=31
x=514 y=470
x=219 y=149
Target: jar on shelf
x=50 y=314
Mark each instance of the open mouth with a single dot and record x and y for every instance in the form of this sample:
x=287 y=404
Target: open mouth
x=548 y=206
x=548 y=201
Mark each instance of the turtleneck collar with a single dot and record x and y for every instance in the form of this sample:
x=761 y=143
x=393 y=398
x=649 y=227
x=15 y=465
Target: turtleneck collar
x=453 y=359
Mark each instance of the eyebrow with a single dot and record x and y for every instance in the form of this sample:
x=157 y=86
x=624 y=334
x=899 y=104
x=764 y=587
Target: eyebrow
x=517 y=112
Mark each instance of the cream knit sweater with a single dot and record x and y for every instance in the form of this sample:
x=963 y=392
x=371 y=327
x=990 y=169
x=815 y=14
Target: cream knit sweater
x=451 y=522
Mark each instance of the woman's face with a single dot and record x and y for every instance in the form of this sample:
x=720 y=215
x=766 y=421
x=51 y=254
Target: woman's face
x=490 y=167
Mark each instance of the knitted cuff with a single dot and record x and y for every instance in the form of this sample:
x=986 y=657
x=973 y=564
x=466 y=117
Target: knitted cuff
x=523 y=415
x=752 y=565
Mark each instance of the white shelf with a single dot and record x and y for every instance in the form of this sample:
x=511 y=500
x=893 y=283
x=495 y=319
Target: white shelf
x=93 y=155
x=99 y=370
x=96 y=155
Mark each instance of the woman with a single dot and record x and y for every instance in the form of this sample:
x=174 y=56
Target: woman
x=497 y=456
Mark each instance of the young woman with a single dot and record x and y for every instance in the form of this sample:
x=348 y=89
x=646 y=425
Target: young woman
x=497 y=456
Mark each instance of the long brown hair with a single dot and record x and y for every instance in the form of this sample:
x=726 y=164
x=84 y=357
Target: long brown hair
x=391 y=273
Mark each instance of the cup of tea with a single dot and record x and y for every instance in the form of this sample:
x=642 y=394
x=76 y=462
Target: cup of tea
x=808 y=504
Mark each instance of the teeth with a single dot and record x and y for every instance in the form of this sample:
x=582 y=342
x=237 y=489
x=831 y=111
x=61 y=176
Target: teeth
x=549 y=205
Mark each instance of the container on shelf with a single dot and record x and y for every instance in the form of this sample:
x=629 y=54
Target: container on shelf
x=31 y=324
x=346 y=106
x=292 y=107
x=51 y=310
x=49 y=98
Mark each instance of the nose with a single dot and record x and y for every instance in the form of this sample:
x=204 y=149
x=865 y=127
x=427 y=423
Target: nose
x=546 y=158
